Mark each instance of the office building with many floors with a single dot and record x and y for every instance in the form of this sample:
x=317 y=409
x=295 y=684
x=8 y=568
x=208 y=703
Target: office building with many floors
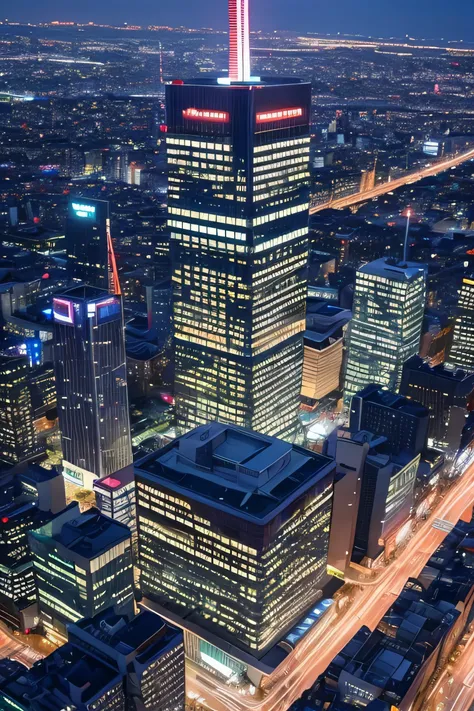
x=462 y=349
x=238 y=197
x=28 y=499
x=148 y=652
x=18 y=437
x=91 y=379
x=389 y=301
x=82 y=564
x=88 y=223
x=233 y=531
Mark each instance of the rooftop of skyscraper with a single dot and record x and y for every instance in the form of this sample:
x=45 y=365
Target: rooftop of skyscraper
x=247 y=473
x=381 y=396
x=392 y=269
x=147 y=634
x=88 y=534
x=85 y=292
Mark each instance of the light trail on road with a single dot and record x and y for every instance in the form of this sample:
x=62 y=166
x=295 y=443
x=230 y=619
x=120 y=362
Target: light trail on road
x=314 y=653
x=387 y=187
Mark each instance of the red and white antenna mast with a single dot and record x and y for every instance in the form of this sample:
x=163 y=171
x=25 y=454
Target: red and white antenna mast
x=239 y=44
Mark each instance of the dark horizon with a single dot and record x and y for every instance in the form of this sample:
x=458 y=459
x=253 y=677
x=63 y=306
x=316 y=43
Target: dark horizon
x=423 y=19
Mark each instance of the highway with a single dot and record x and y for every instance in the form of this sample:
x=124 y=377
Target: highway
x=366 y=605
x=387 y=187
x=14 y=649
x=454 y=690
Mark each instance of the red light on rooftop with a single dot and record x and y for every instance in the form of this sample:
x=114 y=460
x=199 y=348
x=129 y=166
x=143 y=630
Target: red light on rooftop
x=111 y=482
x=279 y=115
x=164 y=128
x=177 y=82
x=5 y=519
x=208 y=115
x=36 y=220
x=45 y=276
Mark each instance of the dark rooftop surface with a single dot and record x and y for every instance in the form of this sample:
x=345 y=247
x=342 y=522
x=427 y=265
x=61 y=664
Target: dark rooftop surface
x=247 y=473
x=91 y=533
x=378 y=395
x=84 y=292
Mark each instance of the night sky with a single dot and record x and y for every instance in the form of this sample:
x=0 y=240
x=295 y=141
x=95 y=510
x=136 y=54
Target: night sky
x=420 y=18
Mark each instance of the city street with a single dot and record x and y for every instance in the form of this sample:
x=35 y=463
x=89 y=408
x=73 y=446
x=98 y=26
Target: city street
x=394 y=184
x=369 y=603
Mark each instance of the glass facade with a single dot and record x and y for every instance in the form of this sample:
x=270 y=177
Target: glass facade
x=462 y=350
x=91 y=380
x=247 y=571
x=389 y=301
x=86 y=241
x=238 y=216
x=73 y=578
x=18 y=439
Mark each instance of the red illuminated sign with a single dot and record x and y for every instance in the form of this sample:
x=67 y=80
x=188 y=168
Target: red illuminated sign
x=206 y=115
x=279 y=115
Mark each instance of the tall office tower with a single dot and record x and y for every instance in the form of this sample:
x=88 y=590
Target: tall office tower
x=447 y=393
x=27 y=500
x=462 y=349
x=148 y=652
x=91 y=380
x=18 y=438
x=388 y=309
x=90 y=252
x=238 y=217
x=83 y=564
x=402 y=421
x=233 y=530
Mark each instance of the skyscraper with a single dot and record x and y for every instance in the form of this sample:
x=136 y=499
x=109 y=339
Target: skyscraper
x=233 y=530
x=89 y=247
x=388 y=309
x=238 y=215
x=91 y=380
x=18 y=439
x=462 y=350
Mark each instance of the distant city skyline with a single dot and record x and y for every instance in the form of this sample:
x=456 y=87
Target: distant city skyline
x=377 y=17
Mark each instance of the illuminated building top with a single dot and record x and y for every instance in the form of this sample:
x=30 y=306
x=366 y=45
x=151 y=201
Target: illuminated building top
x=239 y=46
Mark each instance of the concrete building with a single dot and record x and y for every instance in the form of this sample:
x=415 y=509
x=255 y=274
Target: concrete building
x=146 y=651
x=233 y=538
x=402 y=421
x=28 y=499
x=323 y=350
x=447 y=393
x=82 y=564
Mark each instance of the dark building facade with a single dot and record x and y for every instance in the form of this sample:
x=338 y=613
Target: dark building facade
x=238 y=217
x=86 y=241
x=403 y=422
x=148 y=652
x=27 y=500
x=91 y=379
x=18 y=439
x=83 y=565
x=447 y=393
x=233 y=530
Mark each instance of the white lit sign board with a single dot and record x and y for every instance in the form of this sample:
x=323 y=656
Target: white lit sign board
x=83 y=210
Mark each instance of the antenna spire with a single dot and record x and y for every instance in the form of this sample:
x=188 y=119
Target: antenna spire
x=239 y=44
